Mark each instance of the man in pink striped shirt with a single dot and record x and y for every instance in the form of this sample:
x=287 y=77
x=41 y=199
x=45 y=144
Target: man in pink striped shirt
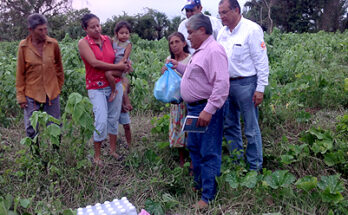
x=204 y=86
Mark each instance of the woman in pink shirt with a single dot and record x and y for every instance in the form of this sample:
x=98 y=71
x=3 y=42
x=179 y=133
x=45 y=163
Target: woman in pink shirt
x=98 y=56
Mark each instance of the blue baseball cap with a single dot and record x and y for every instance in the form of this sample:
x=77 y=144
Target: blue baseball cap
x=191 y=4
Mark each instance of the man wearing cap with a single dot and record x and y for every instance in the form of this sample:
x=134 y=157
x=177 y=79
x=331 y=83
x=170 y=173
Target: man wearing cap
x=248 y=68
x=191 y=8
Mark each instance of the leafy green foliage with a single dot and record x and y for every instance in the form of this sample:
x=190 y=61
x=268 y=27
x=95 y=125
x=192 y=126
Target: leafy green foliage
x=279 y=179
x=154 y=207
x=332 y=188
x=307 y=74
x=11 y=206
x=161 y=124
x=307 y=183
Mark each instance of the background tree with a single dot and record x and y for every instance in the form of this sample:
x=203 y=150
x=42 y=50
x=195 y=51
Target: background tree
x=67 y=23
x=297 y=15
x=109 y=26
x=150 y=25
x=14 y=13
x=174 y=24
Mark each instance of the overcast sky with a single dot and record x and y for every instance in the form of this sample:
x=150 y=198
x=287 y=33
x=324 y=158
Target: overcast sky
x=105 y=9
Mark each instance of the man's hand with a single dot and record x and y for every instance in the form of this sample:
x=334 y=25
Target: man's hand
x=174 y=62
x=204 y=119
x=23 y=105
x=257 y=98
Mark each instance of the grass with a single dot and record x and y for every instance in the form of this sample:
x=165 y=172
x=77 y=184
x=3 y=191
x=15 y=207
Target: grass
x=150 y=177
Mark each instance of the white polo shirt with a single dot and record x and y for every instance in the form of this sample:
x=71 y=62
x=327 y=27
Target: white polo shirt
x=216 y=25
x=246 y=51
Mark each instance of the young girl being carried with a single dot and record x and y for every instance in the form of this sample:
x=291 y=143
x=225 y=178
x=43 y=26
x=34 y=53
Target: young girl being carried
x=123 y=48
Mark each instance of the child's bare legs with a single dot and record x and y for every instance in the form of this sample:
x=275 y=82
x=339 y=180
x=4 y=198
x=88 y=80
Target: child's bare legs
x=128 y=134
x=110 y=77
x=97 y=161
x=113 y=139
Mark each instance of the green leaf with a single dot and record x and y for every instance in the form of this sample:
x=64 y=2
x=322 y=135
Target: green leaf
x=24 y=203
x=307 y=183
x=322 y=146
x=327 y=196
x=249 y=180
x=308 y=138
x=68 y=212
x=334 y=158
x=232 y=180
x=26 y=141
x=151 y=156
x=162 y=145
x=317 y=133
x=331 y=187
x=153 y=207
x=346 y=84
x=332 y=183
x=34 y=119
x=287 y=159
x=53 y=130
x=8 y=201
x=3 y=209
x=279 y=178
x=169 y=200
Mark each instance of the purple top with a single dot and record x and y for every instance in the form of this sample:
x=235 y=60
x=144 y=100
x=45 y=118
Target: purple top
x=206 y=76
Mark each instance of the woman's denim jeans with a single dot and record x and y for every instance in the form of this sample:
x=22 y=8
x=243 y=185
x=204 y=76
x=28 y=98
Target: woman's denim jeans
x=205 y=152
x=240 y=103
x=106 y=114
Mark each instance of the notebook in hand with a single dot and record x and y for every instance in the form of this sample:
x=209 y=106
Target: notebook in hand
x=190 y=125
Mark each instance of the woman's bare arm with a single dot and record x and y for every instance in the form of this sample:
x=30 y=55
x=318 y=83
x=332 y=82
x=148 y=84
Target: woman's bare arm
x=87 y=53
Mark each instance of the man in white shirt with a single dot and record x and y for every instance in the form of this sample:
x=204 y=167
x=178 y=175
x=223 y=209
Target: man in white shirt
x=191 y=8
x=248 y=67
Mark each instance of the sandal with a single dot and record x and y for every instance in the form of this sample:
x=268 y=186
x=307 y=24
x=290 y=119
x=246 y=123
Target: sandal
x=116 y=156
x=99 y=163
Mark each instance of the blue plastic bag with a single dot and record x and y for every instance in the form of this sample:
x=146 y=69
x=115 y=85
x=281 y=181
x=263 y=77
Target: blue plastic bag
x=167 y=87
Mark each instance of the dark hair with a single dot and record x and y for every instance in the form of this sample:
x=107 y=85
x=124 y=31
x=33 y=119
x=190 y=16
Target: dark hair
x=182 y=38
x=199 y=20
x=122 y=24
x=36 y=19
x=86 y=18
x=233 y=4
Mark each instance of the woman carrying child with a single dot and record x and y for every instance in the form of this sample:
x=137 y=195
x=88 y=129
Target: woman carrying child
x=98 y=56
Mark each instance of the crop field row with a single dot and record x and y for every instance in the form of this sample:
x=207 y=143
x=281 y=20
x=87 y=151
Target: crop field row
x=303 y=118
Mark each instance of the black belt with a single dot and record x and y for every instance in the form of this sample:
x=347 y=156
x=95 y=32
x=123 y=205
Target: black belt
x=236 y=78
x=198 y=102
x=241 y=77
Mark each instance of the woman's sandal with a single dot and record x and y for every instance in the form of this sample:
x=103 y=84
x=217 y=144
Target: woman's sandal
x=99 y=163
x=116 y=156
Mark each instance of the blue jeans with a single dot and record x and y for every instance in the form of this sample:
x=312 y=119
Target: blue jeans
x=52 y=109
x=106 y=114
x=205 y=152
x=240 y=103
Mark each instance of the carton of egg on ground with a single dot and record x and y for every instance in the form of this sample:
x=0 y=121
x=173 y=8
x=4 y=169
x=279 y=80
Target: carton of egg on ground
x=116 y=207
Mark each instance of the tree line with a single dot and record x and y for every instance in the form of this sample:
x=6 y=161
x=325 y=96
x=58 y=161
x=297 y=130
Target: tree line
x=299 y=15
x=287 y=15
